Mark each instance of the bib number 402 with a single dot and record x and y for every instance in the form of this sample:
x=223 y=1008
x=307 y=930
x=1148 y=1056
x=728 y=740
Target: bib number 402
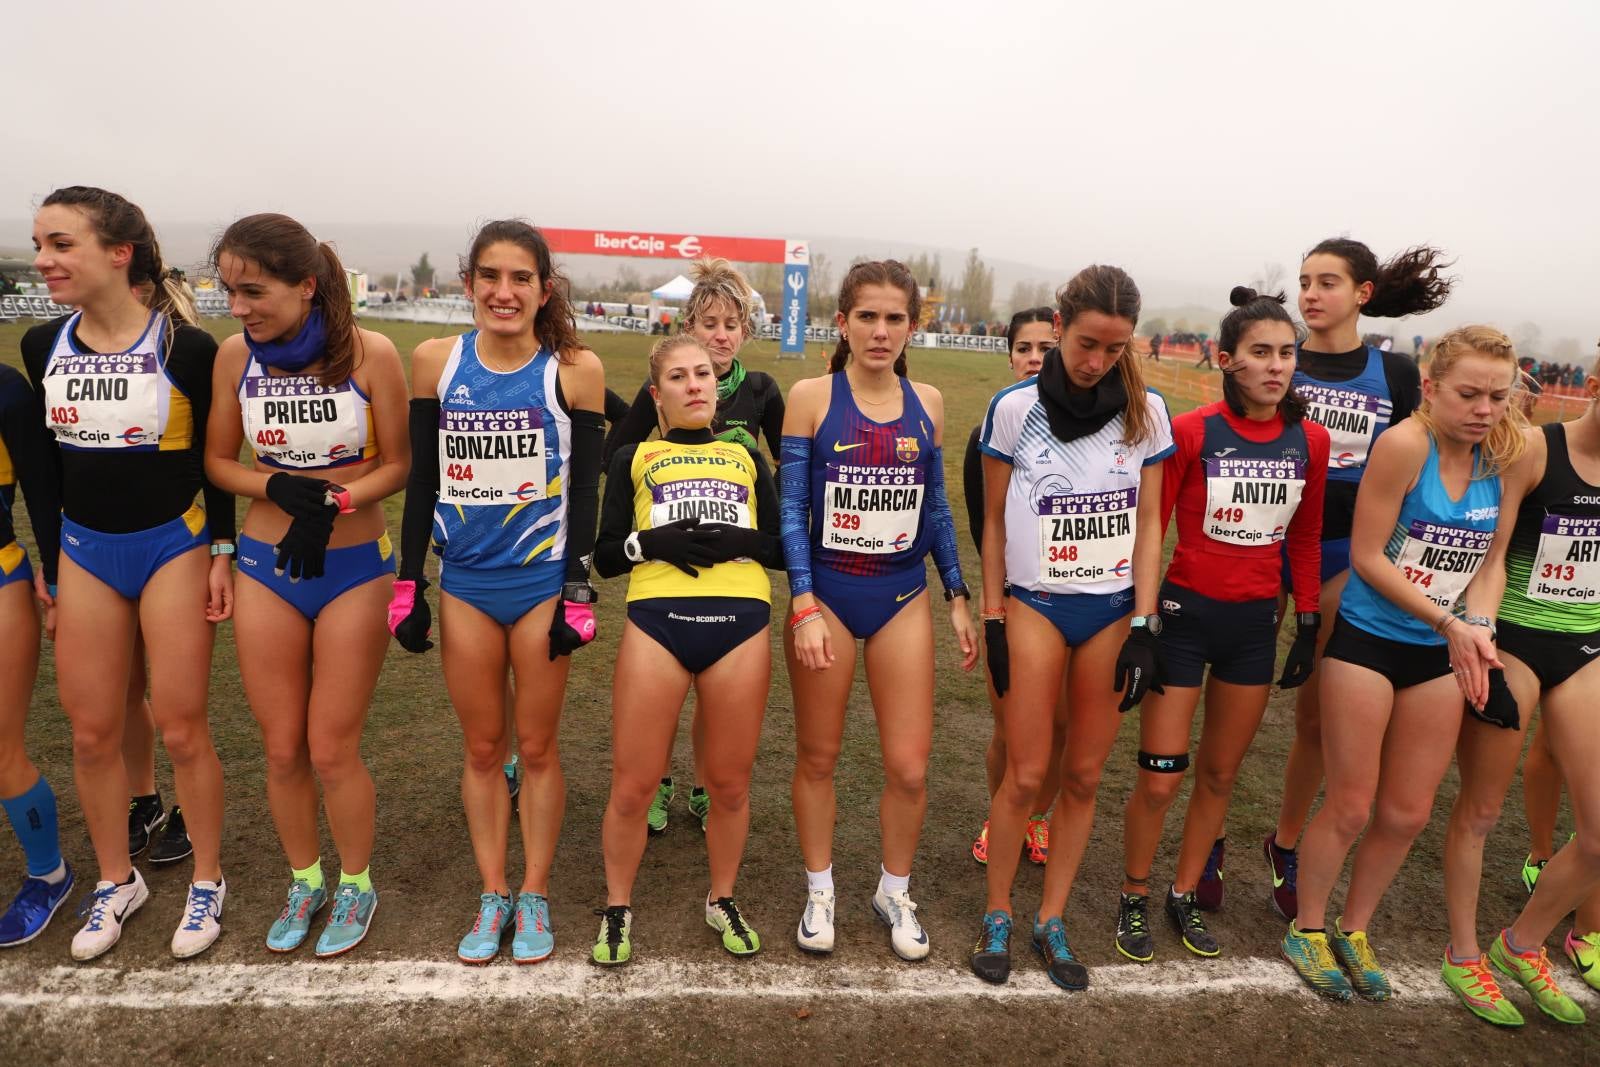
x=271 y=437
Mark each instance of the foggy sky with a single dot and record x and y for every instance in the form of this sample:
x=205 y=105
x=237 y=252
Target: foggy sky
x=1186 y=142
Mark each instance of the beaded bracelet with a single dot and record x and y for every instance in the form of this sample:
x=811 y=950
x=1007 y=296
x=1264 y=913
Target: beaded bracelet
x=800 y=618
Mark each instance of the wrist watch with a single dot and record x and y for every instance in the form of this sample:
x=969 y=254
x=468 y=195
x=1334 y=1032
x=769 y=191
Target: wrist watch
x=1308 y=620
x=957 y=591
x=339 y=497
x=632 y=549
x=579 y=593
x=223 y=548
x=1484 y=621
x=1151 y=622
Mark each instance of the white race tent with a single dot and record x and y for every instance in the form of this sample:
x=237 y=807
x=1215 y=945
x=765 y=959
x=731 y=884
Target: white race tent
x=678 y=290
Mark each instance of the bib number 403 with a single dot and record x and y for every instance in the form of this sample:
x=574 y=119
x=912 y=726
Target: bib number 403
x=63 y=416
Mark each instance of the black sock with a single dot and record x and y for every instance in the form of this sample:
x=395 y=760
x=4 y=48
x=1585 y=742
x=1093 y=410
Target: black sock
x=149 y=800
x=1311 y=930
x=129 y=880
x=667 y=780
x=698 y=791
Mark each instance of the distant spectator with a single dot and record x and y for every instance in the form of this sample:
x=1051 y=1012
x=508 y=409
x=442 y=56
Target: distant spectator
x=1155 y=347
x=1205 y=355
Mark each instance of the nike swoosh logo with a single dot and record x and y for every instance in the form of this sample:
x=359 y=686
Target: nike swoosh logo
x=922 y=937
x=124 y=910
x=1587 y=649
x=1277 y=883
x=1584 y=968
x=837 y=447
x=908 y=596
x=804 y=932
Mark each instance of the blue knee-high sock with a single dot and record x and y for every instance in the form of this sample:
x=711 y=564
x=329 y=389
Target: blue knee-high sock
x=33 y=817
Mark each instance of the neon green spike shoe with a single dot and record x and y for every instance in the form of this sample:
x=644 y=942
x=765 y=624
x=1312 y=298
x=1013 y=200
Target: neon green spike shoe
x=700 y=806
x=613 y=947
x=1474 y=983
x=1311 y=958
x=722 y=915
x=1355 y=954
x=656 y=818
x=1531 y=970
x=1531 y=869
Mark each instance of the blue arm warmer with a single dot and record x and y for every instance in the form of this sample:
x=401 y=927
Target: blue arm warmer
x=794 y=486
x=945 y=556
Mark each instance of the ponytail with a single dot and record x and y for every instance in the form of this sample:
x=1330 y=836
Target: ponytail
x=1408 y=284
x=332 y=297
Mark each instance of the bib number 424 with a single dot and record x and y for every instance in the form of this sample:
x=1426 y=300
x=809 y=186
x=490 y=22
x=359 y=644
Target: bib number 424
x=458 y=472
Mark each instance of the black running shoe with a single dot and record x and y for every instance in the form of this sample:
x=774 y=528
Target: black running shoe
x=145 y=815
x=173 y=844
x=1133 y=928
x=1190 y=923
x=991 y=955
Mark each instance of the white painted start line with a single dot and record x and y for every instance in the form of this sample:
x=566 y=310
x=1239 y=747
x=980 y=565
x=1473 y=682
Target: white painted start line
x=312 y=984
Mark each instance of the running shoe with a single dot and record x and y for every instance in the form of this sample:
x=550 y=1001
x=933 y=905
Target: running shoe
x=293 y=925
x=700 y=805
x=535 y=938
x=31 y=910
x=349 y=921
x=202 y=919
x=899 y=914
x=1284 y=865
x=1355 y=954
x=613 y=947
x=656 y=818
x=1208 y=893
x=513 y=780
x=816 y=922
x=482 y=942
x=1133 y=928
x=1313 y=961
x=1531 y=870
x=1474 y=983
x=991 y=955
x=1531 y=970
x=1036 y=842
x=1050 y=942
x=107 y=908
x=722 y=915
x=145 y=815
x=1584 y=952
x=1184 y=912
x=980 y=847
x=173 y=844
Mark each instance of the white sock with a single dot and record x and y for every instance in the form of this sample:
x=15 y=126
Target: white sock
x=822 y=879
x=890 y=884
x=57 y=876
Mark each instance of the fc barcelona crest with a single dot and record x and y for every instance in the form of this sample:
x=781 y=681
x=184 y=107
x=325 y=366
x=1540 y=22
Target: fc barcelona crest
x=906 y=450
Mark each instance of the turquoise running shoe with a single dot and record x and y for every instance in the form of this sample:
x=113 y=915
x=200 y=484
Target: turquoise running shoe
x=293 y=924
x=1050 y=942
x=1313 y=960
x=347 y=926
x=535 y=939
x=1354 y=953
x=482 y=942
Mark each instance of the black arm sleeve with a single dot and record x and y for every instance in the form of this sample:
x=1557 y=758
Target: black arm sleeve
x=422 y=488
x=190 y=365
x=583 y=490
x=616 y=407
x=972 y=488
x=616 y=516
x=637 y=425
x=1405 y=384
x=769 y=516
x=772 y=418
x=33 y=456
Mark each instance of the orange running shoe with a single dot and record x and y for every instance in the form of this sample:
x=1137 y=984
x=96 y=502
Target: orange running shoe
x=980 y=847
x=1036 y=843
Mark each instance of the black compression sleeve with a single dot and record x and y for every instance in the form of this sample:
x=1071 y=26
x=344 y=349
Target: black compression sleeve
x=583 y=490
x=637 y=425
x=772 y=418
x=616 y=516
x=1405 y=384
x=769 y=516
x=972 y=488
x=616 y=407
x=422 y=488
x=33 y=457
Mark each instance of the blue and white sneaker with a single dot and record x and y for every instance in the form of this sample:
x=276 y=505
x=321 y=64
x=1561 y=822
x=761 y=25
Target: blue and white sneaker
x=536 y=937
x=202 y=919
x=107 y=908
x=293 y=924
x=347 y=926
x=482 y=942
x=31 y=910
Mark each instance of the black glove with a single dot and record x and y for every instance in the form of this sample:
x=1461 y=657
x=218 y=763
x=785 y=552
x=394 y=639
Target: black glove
x=409 y=618
x=683 y=544
x=998 y=653
x=1139 y=667
x=1501 y=707
x=733 y=542
x=304 y=549
x=298 y=496
x=1302 y=657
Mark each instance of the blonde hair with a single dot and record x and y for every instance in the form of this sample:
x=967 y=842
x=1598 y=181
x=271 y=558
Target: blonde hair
x=665 y=347
x=1505 y=442
x=714 y=280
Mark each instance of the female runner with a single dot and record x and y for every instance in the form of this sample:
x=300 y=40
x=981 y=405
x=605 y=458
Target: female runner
x=1542 y=578
x=1424 y=521
x=506 y=435
x=1247 y=482
x=863 y=504
x=29 y=803
x=721 y=314
x=705 y=512
x=1072 y=540
x=1031 y=334
x=1357 y=392
x=322 y=405
x=126 y=389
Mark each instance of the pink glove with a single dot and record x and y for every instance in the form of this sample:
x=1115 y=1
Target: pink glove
x=409 y=618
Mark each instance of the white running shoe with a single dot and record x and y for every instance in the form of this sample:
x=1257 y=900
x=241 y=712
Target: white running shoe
x=108 y=907
x=899 y=914
x=816 y=924
x=202 y=919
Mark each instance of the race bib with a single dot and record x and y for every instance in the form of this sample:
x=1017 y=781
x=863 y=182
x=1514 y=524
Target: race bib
x=870 y=509
x=295 y=421
x=104 y=400
x=491 y=457
x=706 y=499
x=1566 y=569
x=1086 y=537
x=1351 y=419
x=1250 y=501
x=1441 y=560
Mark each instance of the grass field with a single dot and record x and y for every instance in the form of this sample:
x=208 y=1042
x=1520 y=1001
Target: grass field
x=402 y=999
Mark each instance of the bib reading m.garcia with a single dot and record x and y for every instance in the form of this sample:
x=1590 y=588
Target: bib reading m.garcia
x=491 y=457
x=1086 y=537
x=1251 y=501
x=870 y=508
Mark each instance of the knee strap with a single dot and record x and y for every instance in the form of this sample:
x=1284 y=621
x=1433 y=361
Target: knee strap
x=1163 y=764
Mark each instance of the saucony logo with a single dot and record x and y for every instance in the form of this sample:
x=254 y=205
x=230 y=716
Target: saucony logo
x=839 y=447
x=1589 y=651
x=901 y=599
